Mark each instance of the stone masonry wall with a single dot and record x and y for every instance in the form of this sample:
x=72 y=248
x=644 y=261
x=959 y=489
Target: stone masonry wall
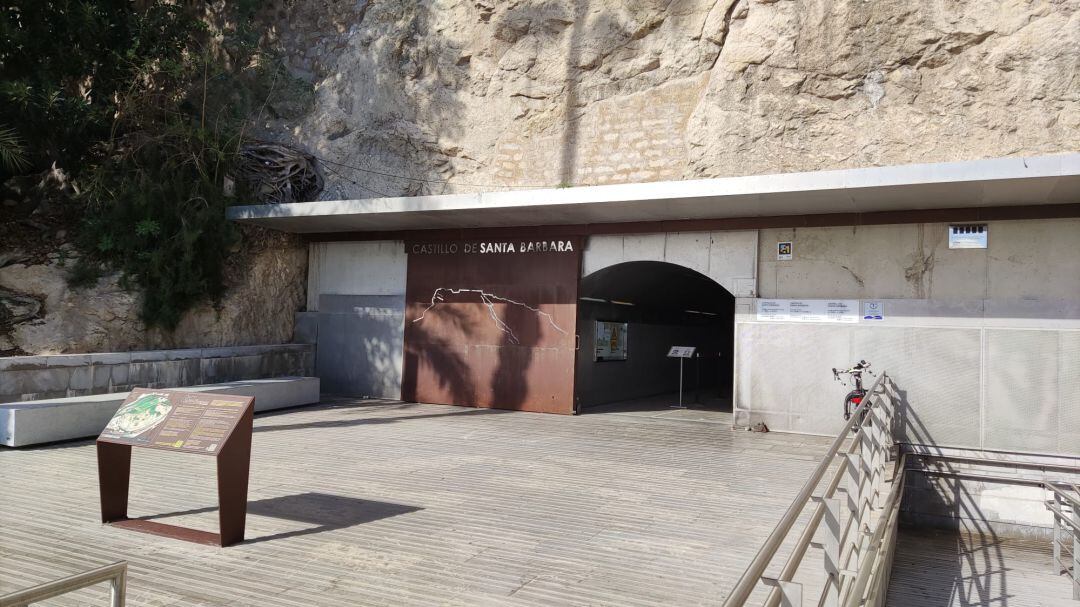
x=41 y=377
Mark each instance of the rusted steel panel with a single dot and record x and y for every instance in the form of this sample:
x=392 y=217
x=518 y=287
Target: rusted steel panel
x=488 y=324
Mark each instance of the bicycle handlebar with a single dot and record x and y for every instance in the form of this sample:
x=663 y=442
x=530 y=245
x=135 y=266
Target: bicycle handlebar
x=859 y=367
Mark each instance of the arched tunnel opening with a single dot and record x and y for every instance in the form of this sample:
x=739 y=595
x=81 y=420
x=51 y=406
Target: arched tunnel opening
x=630 y=315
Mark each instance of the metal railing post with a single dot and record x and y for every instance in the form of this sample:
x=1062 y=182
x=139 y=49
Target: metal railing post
x=790 y=592
x=1056 y=537
x=1075 y=552
x=854 y=481
x=118 y=589
x=832 y=552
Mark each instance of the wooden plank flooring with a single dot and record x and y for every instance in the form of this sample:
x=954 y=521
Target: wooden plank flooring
x=367 y=503
x=374 y=503
x=948 y=569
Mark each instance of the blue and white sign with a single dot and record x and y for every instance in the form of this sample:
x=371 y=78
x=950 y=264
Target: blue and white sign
x=873 y=310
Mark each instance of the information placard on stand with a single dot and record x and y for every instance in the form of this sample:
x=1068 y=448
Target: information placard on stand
x=681 y=353
x=200 y=423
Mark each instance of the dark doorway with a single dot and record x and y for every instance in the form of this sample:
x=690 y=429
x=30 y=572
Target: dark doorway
x=645 y=308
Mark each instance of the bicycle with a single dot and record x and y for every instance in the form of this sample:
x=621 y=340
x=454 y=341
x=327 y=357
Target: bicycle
x=853 y=400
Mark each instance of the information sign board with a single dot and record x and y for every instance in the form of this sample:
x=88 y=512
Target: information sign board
x=181 y=421
x=808 y=310
x=873 y=310
x=681 y=352
x=610 y=341
x=968 y=236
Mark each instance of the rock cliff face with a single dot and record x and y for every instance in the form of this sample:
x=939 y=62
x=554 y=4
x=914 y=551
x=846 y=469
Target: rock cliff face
x=265 y=289
x=490 y=94
x=477 y=94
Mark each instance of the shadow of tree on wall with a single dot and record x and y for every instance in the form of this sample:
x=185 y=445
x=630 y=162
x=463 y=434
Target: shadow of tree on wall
x=510 y=386
x=422 y=347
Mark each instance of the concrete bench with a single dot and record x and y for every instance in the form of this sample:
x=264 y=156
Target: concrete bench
x=44 y=421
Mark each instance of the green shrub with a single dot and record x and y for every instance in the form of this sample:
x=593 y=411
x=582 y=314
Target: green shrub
x=142 y=105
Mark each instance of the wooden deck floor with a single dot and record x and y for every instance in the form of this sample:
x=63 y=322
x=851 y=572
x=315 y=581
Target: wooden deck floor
x=943 y=569
x=364 y=503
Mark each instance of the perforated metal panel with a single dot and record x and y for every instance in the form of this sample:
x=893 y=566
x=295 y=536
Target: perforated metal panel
x=1008 y=389
x=783 y=374
x=937 y=373
x=1069 y=392
x=1021 y=390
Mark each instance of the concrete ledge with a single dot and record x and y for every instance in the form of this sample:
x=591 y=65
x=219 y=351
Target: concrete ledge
x=32 y=378
x=56 y=419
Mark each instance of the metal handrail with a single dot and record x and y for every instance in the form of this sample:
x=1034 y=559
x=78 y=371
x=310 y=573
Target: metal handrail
x=880 y=547
x=1069 y=522
x=115 y=574
x=855 y=467
x=1074 y=500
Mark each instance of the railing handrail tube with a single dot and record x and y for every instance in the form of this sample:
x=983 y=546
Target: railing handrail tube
x=746 y=584
x=1073 y=500
x=115 y=573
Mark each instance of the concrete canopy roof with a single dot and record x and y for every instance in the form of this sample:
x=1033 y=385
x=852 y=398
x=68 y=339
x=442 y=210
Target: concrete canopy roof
x=977 y=183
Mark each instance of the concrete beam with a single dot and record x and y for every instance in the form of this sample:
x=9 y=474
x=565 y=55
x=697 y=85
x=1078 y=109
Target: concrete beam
x=969 y=184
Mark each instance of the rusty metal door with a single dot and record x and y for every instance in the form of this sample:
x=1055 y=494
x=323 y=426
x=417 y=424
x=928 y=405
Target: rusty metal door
x=491 y=323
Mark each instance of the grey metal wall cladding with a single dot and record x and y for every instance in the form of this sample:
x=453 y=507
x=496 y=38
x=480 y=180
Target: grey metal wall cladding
x=937 y=372
x=1022 y=390
x=794 y=359
x=360 y=344
x=306 y=328
x=1009 y=389
x=1069 y=392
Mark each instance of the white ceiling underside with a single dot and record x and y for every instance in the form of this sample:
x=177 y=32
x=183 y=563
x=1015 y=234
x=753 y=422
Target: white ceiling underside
x=977 y=183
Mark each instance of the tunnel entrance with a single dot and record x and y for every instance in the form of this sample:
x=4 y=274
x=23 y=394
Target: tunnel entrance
x=629 y=316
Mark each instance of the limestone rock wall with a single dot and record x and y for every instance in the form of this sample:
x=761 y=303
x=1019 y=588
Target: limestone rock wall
x=266 y=286
x=479 y=94
x=467 y=95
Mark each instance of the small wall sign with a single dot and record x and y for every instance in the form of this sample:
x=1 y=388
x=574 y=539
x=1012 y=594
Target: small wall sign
x=808 y=310
x=968 y=236
x=783 y=251
x=873 y=310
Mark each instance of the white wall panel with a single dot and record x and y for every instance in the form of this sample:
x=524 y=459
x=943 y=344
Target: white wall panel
x=725 y=256
x=355 y=268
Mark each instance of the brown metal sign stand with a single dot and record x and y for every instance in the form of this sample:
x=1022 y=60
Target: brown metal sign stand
x=233 y=454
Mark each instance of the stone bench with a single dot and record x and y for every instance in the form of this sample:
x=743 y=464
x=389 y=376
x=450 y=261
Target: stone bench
x=45 y=421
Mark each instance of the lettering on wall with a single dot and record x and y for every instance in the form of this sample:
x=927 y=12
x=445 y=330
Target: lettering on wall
x=487 y=248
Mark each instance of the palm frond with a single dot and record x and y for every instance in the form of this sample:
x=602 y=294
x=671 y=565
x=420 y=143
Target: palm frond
x=13 y=156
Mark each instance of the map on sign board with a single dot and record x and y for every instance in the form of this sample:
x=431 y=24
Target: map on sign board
x=681 y=352
x=808 y=310
x=180 y=421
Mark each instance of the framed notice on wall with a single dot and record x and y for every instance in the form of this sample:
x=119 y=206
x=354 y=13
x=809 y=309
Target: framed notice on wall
x=610 y=341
